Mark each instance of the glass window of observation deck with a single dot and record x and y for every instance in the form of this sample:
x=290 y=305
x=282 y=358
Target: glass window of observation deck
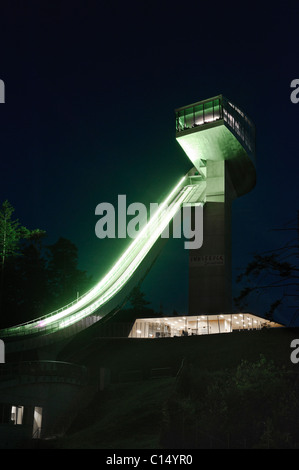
x=189 y=118
x=217 y=109
x=180 y=121
x=208 y=111
x=198 y=114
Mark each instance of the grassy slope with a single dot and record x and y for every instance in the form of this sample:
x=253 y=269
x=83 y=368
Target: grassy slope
x=129 y=415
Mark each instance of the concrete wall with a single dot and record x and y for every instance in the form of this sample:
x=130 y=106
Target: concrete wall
x=210 y=267
x=60 y=403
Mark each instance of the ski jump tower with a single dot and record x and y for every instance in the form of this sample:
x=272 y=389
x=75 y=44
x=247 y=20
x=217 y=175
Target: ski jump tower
x=219 y=139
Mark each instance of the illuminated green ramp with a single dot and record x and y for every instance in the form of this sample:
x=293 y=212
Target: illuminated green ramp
x=114 y=288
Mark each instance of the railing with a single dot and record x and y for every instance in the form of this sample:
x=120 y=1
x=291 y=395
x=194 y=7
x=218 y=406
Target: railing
x=44 y=371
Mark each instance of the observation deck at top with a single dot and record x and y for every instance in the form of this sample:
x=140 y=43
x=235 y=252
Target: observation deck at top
x=216 y=129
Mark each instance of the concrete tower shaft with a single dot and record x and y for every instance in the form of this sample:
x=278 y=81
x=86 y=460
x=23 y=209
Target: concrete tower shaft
x=219 y=139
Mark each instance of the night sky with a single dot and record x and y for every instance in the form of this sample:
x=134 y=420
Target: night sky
x=91 y=89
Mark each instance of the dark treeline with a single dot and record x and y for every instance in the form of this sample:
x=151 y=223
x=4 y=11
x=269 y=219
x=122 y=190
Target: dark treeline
x=36 y=278
x=254 y=406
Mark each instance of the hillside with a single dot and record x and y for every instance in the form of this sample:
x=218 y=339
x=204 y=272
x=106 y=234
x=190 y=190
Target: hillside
x=139 y=408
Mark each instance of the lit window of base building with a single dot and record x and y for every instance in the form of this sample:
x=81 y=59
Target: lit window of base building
x=197 y=325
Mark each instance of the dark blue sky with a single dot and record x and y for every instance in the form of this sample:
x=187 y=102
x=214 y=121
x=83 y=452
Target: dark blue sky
x=91 y=89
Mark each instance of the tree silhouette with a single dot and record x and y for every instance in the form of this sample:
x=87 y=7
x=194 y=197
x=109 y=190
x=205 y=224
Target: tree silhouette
x=35 y=278
x=66 y=280
x=273 y=275
x=32 y=278
x=137 y=299
x=11 y=233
